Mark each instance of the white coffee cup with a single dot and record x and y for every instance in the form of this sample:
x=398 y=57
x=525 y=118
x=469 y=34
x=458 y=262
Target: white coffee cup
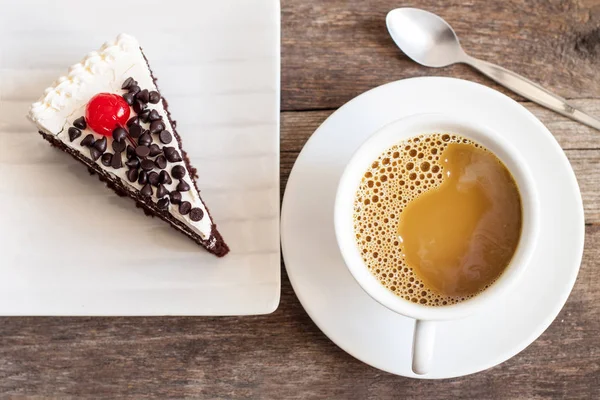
x=425 y=316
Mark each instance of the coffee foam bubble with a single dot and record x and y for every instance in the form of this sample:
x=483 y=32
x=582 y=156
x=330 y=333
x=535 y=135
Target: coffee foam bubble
x=402 y=173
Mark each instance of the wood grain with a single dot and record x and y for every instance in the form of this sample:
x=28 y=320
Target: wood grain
x=333 y=51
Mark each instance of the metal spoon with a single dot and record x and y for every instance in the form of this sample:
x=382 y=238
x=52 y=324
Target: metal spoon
x=431 y=41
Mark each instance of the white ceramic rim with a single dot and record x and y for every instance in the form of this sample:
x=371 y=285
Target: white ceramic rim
x=405 y=128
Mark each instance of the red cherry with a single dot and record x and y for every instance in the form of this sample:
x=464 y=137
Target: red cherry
x=105 y=112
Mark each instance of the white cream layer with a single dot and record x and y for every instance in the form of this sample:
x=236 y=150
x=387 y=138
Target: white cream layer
x=105 y=71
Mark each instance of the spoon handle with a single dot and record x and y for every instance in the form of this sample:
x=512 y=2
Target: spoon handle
x=532 y=91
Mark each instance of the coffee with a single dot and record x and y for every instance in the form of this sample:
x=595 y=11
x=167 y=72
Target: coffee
x=437 y=218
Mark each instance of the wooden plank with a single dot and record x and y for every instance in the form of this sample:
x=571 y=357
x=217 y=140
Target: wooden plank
x=296 y=127
x=336 y=49
x=279 y=356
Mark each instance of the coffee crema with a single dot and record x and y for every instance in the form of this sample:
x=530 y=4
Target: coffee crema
x=437 y=218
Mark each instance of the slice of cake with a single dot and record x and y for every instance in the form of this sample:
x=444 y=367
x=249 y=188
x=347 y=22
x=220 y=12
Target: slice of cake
x=108 y=114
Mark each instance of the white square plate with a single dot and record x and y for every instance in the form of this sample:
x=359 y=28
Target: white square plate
x=68 y=245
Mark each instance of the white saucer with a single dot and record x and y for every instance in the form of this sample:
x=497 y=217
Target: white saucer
x=371 y=332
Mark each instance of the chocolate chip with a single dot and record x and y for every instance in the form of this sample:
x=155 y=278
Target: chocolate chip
x=116 y=161
x=161 y=191
x=183 y=186
x=143 y=178
x=134 y=88
x=143 y=96
x=165 y=137
x=176 y=157
x=154 y=97
x=145 y=116
x=129 y=98
x=164 y=177
x=196 y=214
x=146 y=190
x=119 y=134
x=171 y=154
x=185 y=207
x=142 y=151
x=74 y=133
x=157 y=126
x=88 y=140
x=130 y=152
x=80 y=123
x=163 y=203
x=135 y=131
x=101 y=144
x=138 y=106
x=145 y=139
x=178 y=171
x=161 y=162
x=95 y=153
x=175 y=197
x=154 y=115
x=147 y=165
x=153 y=178
x=168 y=150
x=133 y=163
x=154 y=150
x=128 y=83
x=132 y=175
x=106 y=159
x=133 y=121
x=118 y=146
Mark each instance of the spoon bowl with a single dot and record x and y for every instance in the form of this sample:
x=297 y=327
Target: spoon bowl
x=424 y=37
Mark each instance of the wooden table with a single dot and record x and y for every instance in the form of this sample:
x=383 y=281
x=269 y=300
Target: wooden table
x=332 y=51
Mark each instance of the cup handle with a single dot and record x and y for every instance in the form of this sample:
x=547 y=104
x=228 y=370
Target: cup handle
x=422 y=351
